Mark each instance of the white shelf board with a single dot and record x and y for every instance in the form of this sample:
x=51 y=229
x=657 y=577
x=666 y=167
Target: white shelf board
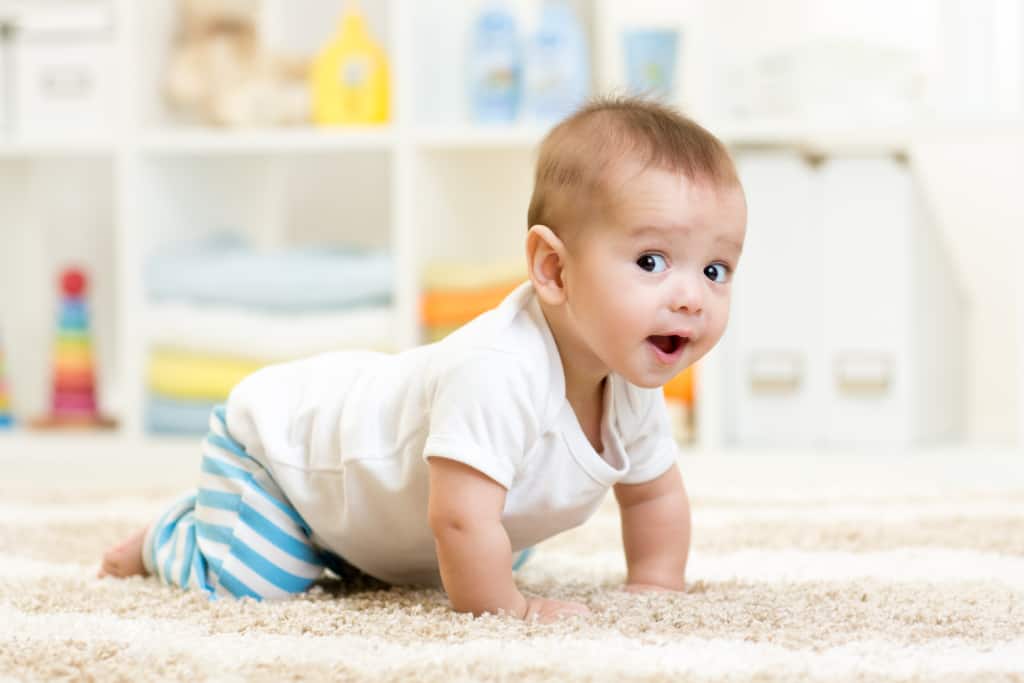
x=848 y=140
x=866 y=140
x=775 y=133
x=202 y=141
x=18 y=147
x=21 y=439
x=84 y=460
x=479 y=136
x=789 y=134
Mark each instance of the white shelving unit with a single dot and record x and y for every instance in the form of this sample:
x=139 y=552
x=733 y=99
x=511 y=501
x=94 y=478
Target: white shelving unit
x=428 y=185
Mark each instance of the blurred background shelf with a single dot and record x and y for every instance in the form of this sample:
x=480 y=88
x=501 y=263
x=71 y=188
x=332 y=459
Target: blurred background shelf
x=479 y=136
x=434 y=186
x=57 y=146
x=200 y=141
x=864 y=141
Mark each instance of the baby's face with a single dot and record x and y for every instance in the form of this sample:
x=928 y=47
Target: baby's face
x=649 y=284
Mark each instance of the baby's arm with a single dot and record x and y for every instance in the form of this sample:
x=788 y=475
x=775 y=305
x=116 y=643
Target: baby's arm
x=473 y=548
x=655 y=531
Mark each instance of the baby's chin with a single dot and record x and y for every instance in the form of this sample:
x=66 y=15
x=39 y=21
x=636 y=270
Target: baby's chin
x=650 y=380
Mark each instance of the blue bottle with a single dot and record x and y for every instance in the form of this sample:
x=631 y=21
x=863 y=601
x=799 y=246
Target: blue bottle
x=495 y=66
x=557 y=64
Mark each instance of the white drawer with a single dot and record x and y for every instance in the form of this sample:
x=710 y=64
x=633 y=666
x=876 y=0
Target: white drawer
x=776 y=325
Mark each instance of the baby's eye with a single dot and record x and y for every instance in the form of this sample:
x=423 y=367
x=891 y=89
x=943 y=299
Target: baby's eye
x=652 y=263
x=717 y=272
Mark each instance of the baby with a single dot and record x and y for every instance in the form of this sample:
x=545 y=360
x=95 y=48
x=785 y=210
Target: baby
x=446 y=463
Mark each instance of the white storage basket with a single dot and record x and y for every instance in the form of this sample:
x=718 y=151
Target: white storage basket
x=62 y=69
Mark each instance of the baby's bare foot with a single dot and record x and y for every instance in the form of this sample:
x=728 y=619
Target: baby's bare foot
x=125 y=558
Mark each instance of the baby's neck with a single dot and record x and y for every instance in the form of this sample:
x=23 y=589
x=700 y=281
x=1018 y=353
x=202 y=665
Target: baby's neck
x=584 y=375
x=584 y=372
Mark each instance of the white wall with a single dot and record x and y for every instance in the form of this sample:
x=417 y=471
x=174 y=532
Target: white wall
x=973 y=182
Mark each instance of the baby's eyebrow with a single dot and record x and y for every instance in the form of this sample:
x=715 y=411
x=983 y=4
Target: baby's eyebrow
x=641 y=230
x=730 y=241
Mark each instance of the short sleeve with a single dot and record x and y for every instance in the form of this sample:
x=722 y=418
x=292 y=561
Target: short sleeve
x=483 y=415
x=647 y=434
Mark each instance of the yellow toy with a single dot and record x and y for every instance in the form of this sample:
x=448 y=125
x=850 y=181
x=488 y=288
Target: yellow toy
x=349 y=78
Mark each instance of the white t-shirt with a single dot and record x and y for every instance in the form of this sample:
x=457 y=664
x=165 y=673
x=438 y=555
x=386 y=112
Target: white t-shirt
x=346 y=436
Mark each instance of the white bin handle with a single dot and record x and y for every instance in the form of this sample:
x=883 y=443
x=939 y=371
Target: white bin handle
x=66 y=82
x=776 y=372
x=863 y=373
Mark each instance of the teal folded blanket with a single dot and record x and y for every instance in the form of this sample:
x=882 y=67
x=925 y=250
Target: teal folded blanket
x=226 y=271
x=174 y=417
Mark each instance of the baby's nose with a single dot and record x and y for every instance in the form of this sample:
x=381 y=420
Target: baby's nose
x=688 y=295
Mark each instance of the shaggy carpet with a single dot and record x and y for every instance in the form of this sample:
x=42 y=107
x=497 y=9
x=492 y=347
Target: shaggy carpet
x=818 y=567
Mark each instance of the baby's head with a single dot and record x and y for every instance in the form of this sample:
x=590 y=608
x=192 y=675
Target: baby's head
x=636 y=225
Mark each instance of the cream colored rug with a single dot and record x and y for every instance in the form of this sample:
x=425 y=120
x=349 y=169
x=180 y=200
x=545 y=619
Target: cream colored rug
x=817 y=567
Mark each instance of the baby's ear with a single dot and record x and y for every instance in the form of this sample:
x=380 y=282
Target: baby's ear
x=545 y=257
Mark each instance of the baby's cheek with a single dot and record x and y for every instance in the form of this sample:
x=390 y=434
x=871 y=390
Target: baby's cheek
x=715 y=327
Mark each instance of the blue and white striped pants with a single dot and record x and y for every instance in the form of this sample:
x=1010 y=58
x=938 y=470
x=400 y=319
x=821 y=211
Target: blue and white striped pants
x=237 y=534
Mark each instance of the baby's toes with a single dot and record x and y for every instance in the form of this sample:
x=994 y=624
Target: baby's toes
x=112 y=563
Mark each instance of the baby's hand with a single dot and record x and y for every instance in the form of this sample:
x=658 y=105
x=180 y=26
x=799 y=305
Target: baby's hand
x=547 y=611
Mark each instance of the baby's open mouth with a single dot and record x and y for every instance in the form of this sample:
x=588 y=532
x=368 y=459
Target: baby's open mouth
x=667 y=343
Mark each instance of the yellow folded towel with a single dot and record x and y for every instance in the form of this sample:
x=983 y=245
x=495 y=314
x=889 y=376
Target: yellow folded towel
x=174 y=374
x=433 y=334
x=448 y=276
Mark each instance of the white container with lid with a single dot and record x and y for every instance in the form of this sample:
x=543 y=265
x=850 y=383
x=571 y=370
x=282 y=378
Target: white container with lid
x=62 y=68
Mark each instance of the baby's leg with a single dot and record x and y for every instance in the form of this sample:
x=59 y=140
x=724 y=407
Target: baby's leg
x=125 y=558
x=236 y=535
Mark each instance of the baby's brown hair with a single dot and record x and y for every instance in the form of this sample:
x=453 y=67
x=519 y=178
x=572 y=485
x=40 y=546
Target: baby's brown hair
x=575 y=156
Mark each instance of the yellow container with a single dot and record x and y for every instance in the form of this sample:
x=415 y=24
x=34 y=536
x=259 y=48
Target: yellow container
x=349 y=77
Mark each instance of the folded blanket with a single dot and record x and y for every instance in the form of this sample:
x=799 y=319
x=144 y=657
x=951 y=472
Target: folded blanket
x=455 y=307
x=456 y=275
x=433 y=334
x=225 y=271
x=232 y=331
x=189 y=376
x=680 y=387
x=168 y=416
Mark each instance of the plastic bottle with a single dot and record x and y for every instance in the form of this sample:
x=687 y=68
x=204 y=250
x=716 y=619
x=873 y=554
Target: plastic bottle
x=557 y=64
x=349 y=77
x=494 y=65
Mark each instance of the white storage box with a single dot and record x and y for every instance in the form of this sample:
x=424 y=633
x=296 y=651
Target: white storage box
x=5 y=81
x=847 y=323
x=63 y=69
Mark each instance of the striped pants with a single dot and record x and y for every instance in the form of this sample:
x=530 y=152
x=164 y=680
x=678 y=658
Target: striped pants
x=237 y=534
